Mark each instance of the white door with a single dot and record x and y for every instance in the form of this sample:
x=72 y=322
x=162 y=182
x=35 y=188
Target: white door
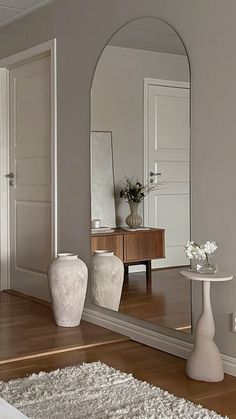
x=30 y=164
x=167 y=151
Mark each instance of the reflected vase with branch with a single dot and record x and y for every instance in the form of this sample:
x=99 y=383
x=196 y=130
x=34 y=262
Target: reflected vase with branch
x=134 y=193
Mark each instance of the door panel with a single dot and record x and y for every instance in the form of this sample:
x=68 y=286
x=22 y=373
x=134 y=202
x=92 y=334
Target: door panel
x=32 y=221
x=168 y=153
x=30 y=161
x=32 y=101
x=172 y=213
x=171 y=105
x=174 y=171
x=34 y=171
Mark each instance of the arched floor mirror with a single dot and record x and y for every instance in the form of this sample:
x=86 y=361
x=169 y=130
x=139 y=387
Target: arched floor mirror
x=140 y=139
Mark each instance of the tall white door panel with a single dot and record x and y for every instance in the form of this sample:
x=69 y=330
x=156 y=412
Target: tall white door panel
x=30 y=174
x=167 y=151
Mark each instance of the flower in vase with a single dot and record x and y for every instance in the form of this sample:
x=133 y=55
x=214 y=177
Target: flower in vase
x=210 y=247
x=200 y=252
x=135 y=191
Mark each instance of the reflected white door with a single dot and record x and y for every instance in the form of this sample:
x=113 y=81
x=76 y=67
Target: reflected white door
x=30 y=162
x=167 y=151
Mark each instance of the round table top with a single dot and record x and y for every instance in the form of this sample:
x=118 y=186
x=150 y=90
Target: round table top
x=217 y=277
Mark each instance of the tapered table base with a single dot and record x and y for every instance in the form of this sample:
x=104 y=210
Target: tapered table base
x=204 y=362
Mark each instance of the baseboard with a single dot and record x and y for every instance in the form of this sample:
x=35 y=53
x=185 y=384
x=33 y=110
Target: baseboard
x=137 y=268
x=229 y=364
x=140 y=334
x=28 y=297
x=151 y=338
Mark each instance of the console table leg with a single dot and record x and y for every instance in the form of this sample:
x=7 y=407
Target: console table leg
x=126 y=271
x=148 y=270
x=204 y=362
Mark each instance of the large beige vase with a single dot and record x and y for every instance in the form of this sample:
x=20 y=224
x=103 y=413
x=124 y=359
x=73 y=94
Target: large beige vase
x=67 y=278
x=107 y=276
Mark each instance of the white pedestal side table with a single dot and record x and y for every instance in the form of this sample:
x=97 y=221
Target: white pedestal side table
x=204 y=362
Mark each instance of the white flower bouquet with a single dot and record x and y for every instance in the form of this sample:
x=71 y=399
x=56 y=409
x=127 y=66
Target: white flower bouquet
x=202 y=253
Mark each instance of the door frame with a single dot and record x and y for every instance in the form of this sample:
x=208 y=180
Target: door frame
x=154 y=82
x=5 y=65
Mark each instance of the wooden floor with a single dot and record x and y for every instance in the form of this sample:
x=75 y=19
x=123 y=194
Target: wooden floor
x=166 y=300
x=27 y=329
x=155 y=367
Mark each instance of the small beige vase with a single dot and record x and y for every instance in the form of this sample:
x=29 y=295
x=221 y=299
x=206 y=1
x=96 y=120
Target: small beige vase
x=133 y=220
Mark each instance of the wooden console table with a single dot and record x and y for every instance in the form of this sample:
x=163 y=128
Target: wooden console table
x=132 y=247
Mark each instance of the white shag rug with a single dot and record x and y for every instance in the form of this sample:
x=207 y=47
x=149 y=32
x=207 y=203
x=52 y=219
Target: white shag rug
x=96 y=391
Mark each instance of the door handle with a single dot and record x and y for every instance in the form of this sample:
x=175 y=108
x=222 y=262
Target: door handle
x=10 y=175
x=152 y=174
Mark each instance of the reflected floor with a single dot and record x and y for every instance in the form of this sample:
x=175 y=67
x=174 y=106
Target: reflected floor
x=164 y=300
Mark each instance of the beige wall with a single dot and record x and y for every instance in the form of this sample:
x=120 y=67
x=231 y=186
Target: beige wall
x=117 y=106
x=208 y=29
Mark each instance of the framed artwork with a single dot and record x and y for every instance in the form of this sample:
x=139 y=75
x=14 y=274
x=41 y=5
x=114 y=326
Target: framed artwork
x=102 y=179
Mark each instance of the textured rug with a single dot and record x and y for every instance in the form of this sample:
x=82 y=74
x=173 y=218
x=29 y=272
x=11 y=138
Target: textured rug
x=95 y=391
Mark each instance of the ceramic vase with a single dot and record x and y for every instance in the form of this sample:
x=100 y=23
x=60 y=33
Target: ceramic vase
x=133 y=220
x=107 y=276
x=206 y=266
x=67 y=277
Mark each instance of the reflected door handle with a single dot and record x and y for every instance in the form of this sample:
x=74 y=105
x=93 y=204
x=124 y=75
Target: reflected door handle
x=154 y=174
x=10 y=175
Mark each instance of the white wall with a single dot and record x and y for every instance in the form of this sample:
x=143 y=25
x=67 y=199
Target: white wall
x=117 y=105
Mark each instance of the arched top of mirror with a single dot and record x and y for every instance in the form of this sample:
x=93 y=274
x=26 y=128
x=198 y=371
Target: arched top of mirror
x=149 y=34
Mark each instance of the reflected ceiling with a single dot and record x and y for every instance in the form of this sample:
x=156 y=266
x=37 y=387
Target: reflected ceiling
x=151 y=35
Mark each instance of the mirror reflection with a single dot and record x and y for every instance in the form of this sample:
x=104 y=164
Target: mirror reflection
x=140 y=186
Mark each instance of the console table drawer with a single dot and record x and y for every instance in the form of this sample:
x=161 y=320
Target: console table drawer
x=112 y=242
x=144 y=246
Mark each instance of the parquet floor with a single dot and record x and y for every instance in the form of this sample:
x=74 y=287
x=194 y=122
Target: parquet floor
x=148 y=364
x=27 y=329
x=165 y=301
